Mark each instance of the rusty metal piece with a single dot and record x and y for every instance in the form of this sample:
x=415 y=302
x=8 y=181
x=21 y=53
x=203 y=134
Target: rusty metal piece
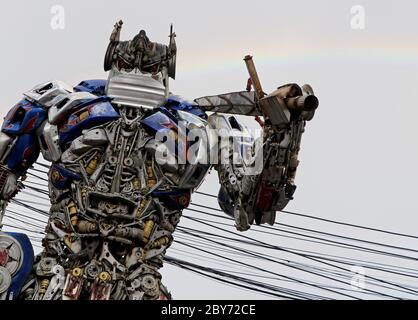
x=136 y=184
x=161 y=242
x=296 y=98
x=43 y=286
x=73 y=286
x=101 y=289
x=302 y=103
x=115 y=35
x=254 y=76
x=85 y=226
x=275 y=109
x=183 y=201
x=55 y=176
x=77 y=272
x=129 y=232
x=92 y=165
x=72 y=212
x=293 y=164
x=148 y=227
x=150 y=173
x=142 y=207
x=105 y=276
x=83 y=116
x=286 y=91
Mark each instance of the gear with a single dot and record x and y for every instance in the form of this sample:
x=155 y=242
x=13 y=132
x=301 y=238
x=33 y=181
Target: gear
x=5 y=279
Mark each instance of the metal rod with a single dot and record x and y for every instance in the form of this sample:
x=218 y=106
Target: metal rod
x=254 y=76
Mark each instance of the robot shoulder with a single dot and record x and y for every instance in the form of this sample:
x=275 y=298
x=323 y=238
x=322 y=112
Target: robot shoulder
x=57 y=113
x=175 y=102
x=23 y=118
x=57 y=102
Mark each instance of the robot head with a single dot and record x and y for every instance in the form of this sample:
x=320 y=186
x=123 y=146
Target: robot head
x=139 y=69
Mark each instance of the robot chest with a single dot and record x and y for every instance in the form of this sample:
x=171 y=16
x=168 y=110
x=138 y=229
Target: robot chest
x=128 y=162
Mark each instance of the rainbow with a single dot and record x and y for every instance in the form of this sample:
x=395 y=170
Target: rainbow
x=354 y=51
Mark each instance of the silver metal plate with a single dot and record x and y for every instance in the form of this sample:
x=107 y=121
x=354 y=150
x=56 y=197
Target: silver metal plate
x=135 y=90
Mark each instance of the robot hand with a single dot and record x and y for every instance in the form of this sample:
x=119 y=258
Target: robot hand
x=254 y=193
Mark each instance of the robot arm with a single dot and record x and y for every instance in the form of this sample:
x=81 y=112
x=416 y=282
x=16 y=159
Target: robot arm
x=257 y=176
x=19 y=148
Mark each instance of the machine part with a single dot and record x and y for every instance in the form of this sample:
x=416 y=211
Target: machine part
x=92 y=165
x=49 y=142
x=72 y=213
x=148 y=229
x=134 y=290
x=92 y=113
x=254 y=76
x=242 y=102
x=45 y=266
x=163 y=241
x=107 y=257
x=73 y=243
x=275 y=109
x=42 y=288
x=105 y=276
x=129 y=233
x=134 y=257
x=85 y=226
x=77 y=272
x=24 y=118
x=150 y=285
x=101 y=287
x=5 y=280
x=119 y=291
x=135 y=90
x=303 y=103
x=23 y=154
x=172 y=54
x=56 y=284
x=16 y=257
x=73 y=286
x=92 y=270
x=95 y=137
x=5 y=141
x=11 y=253
x=45 y=93
x=150 y=173
x=60 y=110
x=100 y=290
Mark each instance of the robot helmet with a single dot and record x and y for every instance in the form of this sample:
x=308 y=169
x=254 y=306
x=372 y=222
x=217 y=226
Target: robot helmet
x=139 y=69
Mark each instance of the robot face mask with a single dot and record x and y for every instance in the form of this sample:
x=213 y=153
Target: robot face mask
x=139 y=69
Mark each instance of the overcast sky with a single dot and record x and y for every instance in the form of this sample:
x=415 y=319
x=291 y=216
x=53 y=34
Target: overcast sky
x=359 y=155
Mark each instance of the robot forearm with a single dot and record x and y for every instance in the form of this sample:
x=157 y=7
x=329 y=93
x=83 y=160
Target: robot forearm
x=255 y=190
x=8 y=180
x=18 y=150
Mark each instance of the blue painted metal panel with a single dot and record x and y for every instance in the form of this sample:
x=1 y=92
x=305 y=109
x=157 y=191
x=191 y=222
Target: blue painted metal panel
x=24 y=117
x=21 y=276
x=23 y=154
x=61 y=177
x=87 y=115
x=96 y=87
x=175 y=102
x=176 y=199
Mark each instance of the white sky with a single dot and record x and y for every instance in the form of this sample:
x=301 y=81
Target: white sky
x=359 y=154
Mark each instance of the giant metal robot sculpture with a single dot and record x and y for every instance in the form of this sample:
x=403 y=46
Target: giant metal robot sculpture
x=114 y=203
